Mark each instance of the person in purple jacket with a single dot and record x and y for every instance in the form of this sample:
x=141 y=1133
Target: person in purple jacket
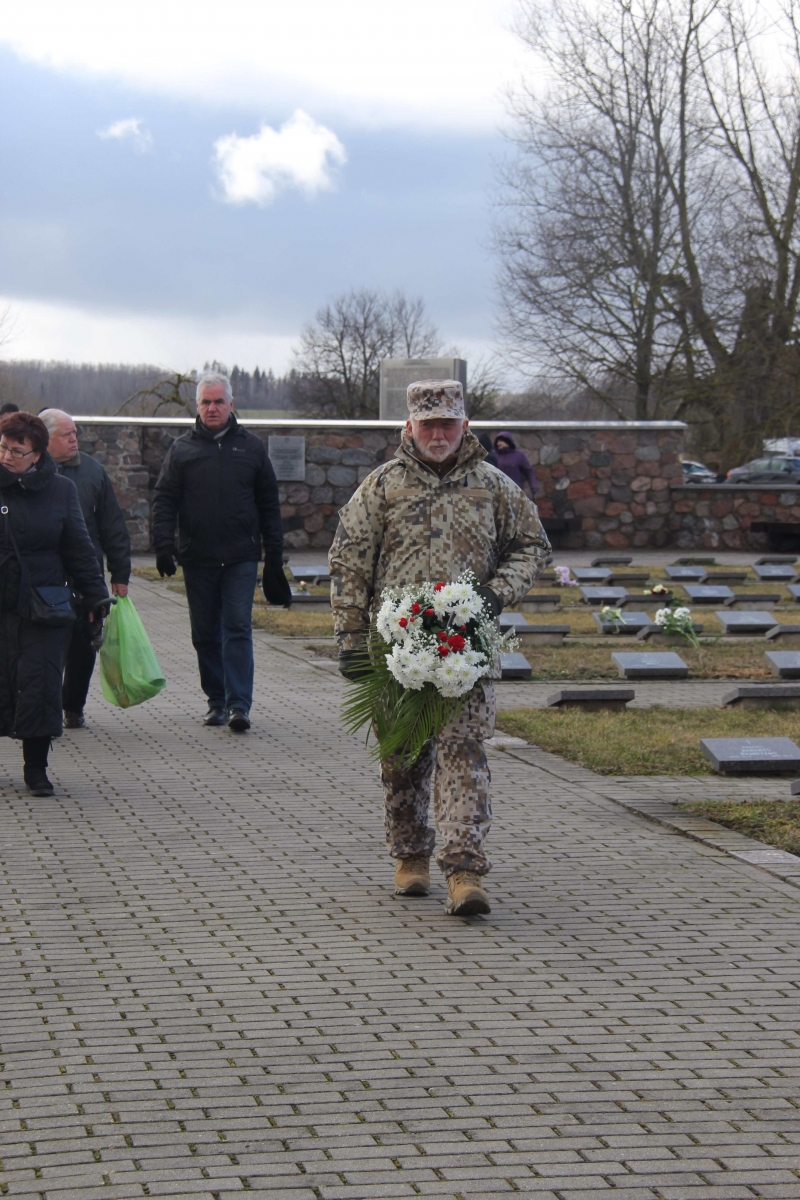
x=513 y=462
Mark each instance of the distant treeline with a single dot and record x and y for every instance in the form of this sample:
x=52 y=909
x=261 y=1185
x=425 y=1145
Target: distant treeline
x=103 y=388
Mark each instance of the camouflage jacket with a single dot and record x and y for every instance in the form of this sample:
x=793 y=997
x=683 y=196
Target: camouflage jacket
x=405 y=524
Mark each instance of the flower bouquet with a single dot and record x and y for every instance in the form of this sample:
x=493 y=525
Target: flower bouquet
x=430 y=645
x=679 y=621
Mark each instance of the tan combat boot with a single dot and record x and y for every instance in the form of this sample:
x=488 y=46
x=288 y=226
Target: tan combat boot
x=412 y=876
x=467 y=897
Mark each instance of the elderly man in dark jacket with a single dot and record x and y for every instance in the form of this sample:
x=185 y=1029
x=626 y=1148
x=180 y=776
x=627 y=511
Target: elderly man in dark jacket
x=218 y=485
x=109 y=533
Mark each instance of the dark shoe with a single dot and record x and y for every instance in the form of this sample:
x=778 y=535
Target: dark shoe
x=37 y=782
x=238 y=720
x=214 y=716
x=74 y=720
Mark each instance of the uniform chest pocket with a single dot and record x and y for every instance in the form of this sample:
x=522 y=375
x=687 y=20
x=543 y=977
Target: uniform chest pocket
x=473 y=511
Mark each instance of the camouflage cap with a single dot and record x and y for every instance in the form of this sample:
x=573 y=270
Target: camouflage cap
x=429 y=398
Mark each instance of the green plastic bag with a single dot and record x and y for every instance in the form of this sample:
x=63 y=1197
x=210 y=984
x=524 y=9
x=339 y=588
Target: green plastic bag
x=129 y=670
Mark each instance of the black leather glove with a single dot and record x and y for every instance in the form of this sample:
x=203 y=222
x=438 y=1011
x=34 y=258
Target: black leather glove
x=274 y=582
x=166 y=563
x=354 y=664
x=491 y=600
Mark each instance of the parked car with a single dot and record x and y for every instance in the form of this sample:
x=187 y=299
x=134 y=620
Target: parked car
x=695 y=472
x=767 y=470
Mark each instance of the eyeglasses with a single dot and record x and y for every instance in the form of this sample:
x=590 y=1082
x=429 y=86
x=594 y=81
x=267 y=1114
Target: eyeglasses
x=5 y=451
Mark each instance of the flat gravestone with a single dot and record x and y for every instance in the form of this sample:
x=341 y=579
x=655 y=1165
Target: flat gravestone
x=288 y=457
x=307 y=574
x=776 y=573
x=752 y=601
x=611 y=560
x=795 y=790
x=623 y=578
x=763 y=695
x=596 y=575
x=746 y=624
x=514 y=666
x=783 y=631
x=686 y=574
x=543 y=635
x=651 y=666
x=715 y=577
x=784 y=663
x=605 y=595
x=631 y=623
x=513 y=620
x=794 y=591
x=541 y=601
x=700 y=593
x=776 y=558
x=591 y=699
x=658 y=632
x=752 y=756
x=694 y=561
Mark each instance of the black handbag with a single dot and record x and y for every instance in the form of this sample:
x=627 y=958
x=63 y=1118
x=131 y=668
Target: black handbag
x=49 y=606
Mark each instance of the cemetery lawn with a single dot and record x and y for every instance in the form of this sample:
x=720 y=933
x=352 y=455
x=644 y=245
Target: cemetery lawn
x=743 y=660
x=291 y=623
x=642 y=741
x=776 y=822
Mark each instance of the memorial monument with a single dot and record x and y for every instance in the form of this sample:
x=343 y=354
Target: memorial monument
x=398 y=373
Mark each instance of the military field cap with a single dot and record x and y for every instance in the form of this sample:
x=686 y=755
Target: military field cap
x=429 y=398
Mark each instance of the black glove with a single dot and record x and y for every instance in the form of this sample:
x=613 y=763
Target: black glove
x=354 y=664
x=166 y=563
x=491 y=600
x=96 y=633
x=274 y=582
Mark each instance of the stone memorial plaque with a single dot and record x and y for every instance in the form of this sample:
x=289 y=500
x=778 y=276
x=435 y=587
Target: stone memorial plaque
x=541 y=601
x=686 y=574
x=755 y=756
x=512 y=620
x=794 y=591
x=651 y=666
x=715 y=577
x=746 y=624
x=591 y=699
x=752 y=601
x=795 y=789
x=308 y=573
x=694 y=561
x=631 y=623
x=611 y=560
x=700 y=593
x=784 y=663
x=783 y=631
x=288 y=457
x=763 y=695
x=543 y=635
x=614 y=596
x=775 y=558
x=776 y=573
x=628 y=578
x=514 y=666
x=596 y=575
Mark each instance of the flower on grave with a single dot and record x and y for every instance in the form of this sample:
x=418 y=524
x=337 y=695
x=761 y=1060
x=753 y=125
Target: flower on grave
x=657 y=589
x=564 y=577
x=679 y=621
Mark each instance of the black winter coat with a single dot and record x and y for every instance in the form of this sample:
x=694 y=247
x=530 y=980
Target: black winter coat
x=222 y=493
x=101 y=512
x=46 y=519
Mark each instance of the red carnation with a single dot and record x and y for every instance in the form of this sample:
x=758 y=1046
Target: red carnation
x=415 y=608
x=443 y=636
x=403 y=622
x=463 y=629
x=443 y=651
x=437 y=587
x=456 y=642
x=429 y=612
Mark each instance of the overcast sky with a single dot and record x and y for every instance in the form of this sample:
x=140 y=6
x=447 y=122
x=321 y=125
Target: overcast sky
x=188 y=181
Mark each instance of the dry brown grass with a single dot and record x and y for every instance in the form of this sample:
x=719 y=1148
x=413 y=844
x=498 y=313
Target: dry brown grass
x=776 y=822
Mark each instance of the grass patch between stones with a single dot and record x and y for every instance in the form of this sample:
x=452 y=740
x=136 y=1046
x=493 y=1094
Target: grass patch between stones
x=737 y=660
x=643 y=741
x=292 y=623
x=776 y=822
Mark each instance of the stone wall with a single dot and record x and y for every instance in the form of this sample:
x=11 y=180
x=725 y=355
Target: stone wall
x=601 y=484
x=734 y=517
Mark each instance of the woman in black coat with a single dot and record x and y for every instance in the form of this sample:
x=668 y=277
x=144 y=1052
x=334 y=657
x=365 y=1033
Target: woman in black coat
x=40 y=511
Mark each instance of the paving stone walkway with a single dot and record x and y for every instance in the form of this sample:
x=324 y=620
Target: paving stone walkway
x=207 y=986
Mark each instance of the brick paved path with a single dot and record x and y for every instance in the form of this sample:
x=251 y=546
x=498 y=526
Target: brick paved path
x=207 y=986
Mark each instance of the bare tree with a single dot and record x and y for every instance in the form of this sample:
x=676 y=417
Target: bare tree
x=337 y=365
x=169 y=396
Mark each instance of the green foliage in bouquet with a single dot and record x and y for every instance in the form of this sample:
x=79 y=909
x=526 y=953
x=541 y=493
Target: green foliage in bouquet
x=401 y=720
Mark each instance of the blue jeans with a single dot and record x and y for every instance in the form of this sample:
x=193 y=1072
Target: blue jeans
x=220 y=607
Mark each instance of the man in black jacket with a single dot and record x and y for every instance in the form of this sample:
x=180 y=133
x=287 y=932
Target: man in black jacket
x=218 y=485
x=109 y=533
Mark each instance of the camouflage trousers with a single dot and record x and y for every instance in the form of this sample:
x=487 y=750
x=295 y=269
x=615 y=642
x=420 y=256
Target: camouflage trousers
x=455 y=762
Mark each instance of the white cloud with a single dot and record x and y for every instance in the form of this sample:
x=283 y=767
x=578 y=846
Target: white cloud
x=301 y=154
x=48 y=330
x=129 y=129
x=441 y=64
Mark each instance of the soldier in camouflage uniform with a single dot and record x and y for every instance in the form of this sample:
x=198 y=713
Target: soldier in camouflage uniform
x=435 y=510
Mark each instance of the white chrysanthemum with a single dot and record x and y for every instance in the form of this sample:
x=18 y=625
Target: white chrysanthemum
x=472 y=658
x=662 y=616
x=682 y=613
x=385 y=621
